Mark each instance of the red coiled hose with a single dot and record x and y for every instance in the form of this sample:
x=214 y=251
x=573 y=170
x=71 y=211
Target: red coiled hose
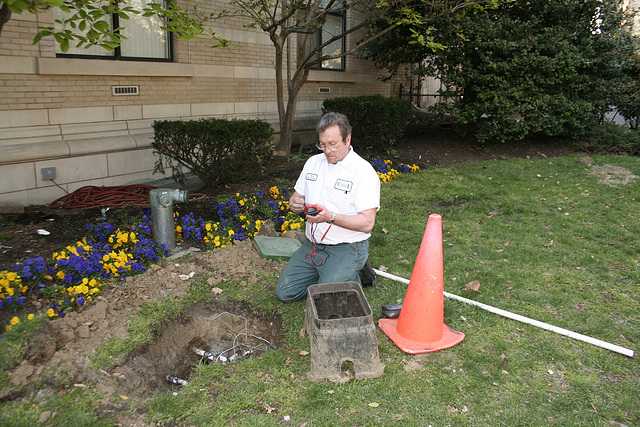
x=92 y=196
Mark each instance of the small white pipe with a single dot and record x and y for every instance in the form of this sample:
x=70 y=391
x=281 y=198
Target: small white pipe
x=509 y=315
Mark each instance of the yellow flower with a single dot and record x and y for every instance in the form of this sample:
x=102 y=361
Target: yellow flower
x=51 y=313
x=30 y=316
x=274 y=192
x=12 y=276
x=15 y=320
x=81 y=289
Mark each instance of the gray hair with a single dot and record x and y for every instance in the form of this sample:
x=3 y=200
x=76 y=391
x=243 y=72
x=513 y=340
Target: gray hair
x=331 y=119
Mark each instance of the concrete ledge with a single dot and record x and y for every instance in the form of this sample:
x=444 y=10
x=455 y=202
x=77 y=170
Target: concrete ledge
x=55 y=148
x=85 y=130
x=143 y=140
x=97 y=67
x=80 y=147
x=29 y=152
x=332 y=76
x=45 y=139
x=21 y=133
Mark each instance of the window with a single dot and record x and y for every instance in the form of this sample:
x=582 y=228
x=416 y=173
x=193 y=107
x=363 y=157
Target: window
x=334 y=25
x=145 y=40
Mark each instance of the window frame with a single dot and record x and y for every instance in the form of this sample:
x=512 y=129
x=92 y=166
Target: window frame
x=318 y=42
x=117 y=52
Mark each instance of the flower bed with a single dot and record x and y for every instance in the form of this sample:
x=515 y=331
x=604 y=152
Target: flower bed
x=76 y=275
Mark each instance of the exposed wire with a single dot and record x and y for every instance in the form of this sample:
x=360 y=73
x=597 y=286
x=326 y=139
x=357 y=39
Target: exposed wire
x=224 y=356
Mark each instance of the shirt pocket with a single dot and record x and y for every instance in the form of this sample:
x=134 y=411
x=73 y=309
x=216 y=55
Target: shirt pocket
x=344 y=201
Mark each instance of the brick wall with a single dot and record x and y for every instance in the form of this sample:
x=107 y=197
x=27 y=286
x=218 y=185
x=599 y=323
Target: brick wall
x=60 y=112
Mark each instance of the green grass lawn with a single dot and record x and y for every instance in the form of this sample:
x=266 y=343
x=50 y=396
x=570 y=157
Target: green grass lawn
x=545 y=239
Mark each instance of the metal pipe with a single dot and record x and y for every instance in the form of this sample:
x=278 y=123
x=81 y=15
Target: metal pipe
x=161 y=201
x=523 y=319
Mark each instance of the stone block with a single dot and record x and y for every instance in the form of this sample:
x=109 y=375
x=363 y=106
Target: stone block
x=81 y=115
x=22 y=118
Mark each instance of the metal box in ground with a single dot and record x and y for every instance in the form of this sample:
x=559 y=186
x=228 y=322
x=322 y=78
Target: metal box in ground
x=278 y=248
x=339 y=322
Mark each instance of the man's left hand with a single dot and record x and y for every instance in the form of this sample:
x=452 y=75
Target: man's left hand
x=324 y=215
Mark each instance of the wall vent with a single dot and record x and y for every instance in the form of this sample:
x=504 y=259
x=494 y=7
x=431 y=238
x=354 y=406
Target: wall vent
x=324 y=90
x=125 y=90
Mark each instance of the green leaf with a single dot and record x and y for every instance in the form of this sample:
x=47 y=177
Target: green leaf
x=42 y=33
x=18 y=6
x=64 y=45
x=101 y=26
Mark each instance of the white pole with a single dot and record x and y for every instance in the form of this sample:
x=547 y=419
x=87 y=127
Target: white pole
x=509 y=315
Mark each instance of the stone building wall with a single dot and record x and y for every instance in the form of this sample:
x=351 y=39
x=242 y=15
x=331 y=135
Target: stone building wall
x=61 y=112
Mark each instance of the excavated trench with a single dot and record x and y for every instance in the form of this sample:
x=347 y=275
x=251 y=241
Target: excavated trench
x=206 y=333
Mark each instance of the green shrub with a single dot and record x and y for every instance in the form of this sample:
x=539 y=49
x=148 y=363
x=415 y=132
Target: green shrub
x=613 y=139
x=377 y=122
x=218 y=151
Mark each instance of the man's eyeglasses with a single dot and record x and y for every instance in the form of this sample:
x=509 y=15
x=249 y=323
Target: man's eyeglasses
x=327 y=147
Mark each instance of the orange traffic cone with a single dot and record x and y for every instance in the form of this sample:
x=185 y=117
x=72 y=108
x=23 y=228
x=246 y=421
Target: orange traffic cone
x=420 y=327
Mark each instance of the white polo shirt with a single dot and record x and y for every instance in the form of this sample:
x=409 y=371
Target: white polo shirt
x=348 y=187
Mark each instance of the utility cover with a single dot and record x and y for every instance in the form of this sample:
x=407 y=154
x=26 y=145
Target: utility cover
x=278 y=248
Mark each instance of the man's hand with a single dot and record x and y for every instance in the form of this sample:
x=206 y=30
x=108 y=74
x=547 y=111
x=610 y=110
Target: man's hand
x=323 y=215
x=296 y=202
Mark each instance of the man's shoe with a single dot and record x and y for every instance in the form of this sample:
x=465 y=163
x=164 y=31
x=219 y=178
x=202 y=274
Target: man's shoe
x=367 y=275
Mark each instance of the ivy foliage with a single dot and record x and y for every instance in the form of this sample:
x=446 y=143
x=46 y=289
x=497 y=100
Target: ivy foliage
x=535 y=67
x=526 y=67
x=218 y=151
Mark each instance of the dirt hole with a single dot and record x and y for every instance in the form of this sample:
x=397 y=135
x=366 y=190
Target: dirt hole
x=206 y=333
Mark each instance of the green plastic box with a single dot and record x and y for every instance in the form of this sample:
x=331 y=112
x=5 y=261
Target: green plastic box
x=278 y=248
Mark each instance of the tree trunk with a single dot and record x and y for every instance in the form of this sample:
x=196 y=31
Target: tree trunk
x=286 y=122
x=5 y=15
x=287 y=113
